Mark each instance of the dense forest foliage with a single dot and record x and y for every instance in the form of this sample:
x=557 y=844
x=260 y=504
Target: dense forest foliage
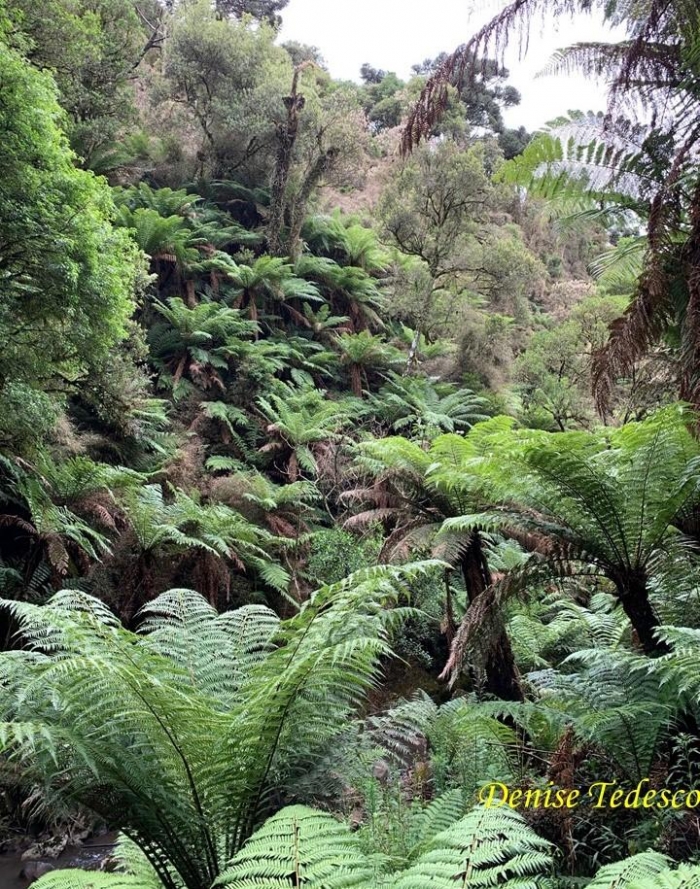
x=349 y=456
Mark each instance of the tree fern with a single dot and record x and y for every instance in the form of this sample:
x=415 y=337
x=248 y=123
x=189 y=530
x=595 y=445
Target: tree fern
x=438 y=816
x=299 y=421
x=236 y=423
x=609 y=503
x=418 y=405
x=678 y=671
x=613 y=703
x=685 y=877
x=186 y=755
x=485 y=847
x=423 y=491
x=465 y=742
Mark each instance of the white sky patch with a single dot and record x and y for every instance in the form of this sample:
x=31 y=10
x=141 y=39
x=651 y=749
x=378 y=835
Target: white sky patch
x=395 y=34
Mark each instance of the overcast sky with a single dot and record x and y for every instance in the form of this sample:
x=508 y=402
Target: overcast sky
x=395 y=34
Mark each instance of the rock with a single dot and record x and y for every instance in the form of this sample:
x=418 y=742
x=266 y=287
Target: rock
x=32 y=870
x=50 y=848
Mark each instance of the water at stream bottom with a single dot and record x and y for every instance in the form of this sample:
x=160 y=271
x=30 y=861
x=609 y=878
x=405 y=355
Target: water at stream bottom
x=89 y=857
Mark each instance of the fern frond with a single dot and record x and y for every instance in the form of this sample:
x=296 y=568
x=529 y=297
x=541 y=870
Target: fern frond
x=643 y=868
x=299 y=847
x=487 y=847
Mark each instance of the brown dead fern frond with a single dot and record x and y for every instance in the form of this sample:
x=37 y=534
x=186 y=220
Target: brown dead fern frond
x=652 y=310
x=483 y=618
x=469 y=60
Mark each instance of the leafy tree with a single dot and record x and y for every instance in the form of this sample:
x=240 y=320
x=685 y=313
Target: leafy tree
x=554 y=373
x=92 y=50
x=454 y=269
x=514 y=276
x=228 y=77
x=323 y=133
x=267 y=10
x=69 y=275
x=332 y=152
x=302 y=52
x=435 y=210
x=513 y=141
x=622 y=162
x=383 y=100
x=483 y=92
x=371 y=75
x=432 y=205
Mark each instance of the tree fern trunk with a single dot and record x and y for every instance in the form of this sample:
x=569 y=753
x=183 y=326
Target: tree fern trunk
x=501 y=674
x=356 y=380
x=634 y=598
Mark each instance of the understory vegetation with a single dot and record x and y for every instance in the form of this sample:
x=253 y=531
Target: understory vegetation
x=349 y=455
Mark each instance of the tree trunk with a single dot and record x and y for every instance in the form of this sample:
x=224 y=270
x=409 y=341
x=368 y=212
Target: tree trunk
x=413 y=354
x=286 y=138
x=311 y=180
x=449 y=626
x=633 y=592
x=501 y=674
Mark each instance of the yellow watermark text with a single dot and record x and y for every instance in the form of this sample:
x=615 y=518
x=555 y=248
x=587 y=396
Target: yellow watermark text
x=598 y=795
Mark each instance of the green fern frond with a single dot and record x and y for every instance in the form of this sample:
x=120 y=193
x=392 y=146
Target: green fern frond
x=135 y=872
x=217 y=651
x=438 y=816
x=485 y=848
x=186 y=747
x=79 y=879
x=299 y=847
x=643 y=869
